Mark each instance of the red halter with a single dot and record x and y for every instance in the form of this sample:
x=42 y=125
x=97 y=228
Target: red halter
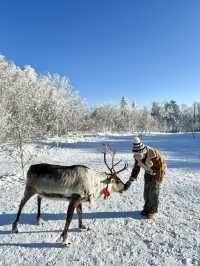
x=106 y=192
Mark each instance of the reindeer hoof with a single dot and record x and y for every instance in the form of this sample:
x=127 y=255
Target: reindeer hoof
x=59 y=240
x=40 y=221
x=83 y=228
x=14 y=229
x=65 y=242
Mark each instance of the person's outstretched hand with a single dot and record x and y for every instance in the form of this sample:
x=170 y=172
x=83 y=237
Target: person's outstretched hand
x=127 y=185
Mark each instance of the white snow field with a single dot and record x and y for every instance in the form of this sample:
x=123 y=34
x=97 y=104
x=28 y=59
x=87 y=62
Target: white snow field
x=118 y=235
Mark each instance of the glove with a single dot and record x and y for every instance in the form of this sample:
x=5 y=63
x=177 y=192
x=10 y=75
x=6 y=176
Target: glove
x=127 y=185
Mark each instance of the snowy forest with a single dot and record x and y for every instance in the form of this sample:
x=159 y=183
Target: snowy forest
x=34 y=105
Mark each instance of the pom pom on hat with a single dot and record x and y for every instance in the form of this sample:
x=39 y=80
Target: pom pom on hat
x=138 y=146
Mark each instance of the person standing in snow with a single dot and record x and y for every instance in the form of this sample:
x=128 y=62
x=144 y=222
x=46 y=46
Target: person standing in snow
x=155 y=167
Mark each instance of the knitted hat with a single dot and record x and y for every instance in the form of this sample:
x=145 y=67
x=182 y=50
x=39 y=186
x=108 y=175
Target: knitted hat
x=138 y=146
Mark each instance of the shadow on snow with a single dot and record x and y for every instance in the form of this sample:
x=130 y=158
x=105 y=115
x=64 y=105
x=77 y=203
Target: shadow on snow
x=26 y=218
x=33 y=245
x=31 y=219
x=181 y=150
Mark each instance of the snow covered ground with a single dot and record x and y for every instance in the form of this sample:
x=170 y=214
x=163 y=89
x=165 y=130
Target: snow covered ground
x=118 y=235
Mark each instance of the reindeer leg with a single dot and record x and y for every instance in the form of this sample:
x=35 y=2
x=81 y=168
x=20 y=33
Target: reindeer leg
x=72 y=205
x=39 y=219
x=81 y=226
x=27 y=195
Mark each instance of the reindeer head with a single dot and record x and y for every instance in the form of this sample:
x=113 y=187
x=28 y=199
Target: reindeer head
x=117 y=184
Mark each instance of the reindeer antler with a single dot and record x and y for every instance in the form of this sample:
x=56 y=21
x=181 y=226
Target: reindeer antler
x=113 y=152
x=106 y=148
x=123 y=169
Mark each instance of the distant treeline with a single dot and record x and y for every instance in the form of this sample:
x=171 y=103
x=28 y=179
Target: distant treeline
x=33 y=105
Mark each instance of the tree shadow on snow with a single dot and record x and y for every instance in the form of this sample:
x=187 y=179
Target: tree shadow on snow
x=6 y=219
x=122 y=143
x=183 y=164
x=33 y=245
x=180 y=149
x=7 y=232
x=25 y=218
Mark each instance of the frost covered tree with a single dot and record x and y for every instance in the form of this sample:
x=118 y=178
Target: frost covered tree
x=105 y=117
x=125 y=113
x=62 y=107
x=124 y=105
x=145 y=121
x=186 y=118
x=16 y=92
x=172 y=115
x=134 y=105
x=196 y=116
x=37 y=105
x=157 y=112
x=34 y=105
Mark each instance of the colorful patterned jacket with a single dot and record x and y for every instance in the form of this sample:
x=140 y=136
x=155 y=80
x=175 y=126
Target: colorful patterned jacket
x=154 y=164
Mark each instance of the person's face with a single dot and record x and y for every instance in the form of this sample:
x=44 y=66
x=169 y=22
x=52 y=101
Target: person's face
x=139 y=155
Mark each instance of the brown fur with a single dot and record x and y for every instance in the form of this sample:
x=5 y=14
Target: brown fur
x=75 y=183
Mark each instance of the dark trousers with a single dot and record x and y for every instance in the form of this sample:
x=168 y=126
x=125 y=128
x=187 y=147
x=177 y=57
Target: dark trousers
x=151 y=193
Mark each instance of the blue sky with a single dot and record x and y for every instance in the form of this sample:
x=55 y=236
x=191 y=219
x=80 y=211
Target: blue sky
x=147 y=50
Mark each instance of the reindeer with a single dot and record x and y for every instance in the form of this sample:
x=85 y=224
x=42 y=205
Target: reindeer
x=76 y=184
